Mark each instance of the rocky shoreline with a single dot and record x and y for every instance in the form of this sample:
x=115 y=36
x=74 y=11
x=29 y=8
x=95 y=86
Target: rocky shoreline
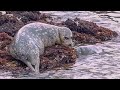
x=83 y=32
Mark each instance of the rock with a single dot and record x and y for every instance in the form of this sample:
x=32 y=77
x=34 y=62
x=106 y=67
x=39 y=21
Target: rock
x=78 y=26
x=84 y=38
x=105 y=34
x=5 y=40
x=90 y=28
x=9 y=24
x=29 y=16
x=57 y=56
x=88 y=50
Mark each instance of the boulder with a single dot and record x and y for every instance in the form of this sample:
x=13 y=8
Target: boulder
x=88 y=50
x=90 y=28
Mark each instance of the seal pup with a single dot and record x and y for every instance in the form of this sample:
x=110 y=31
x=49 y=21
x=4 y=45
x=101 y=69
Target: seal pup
x=30 y=42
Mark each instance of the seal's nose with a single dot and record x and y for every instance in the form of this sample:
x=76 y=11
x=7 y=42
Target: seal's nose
x=72 y=44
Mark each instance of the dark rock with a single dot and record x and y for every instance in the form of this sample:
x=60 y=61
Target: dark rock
x=25 y=16
x=5 y=40
x=56 y=56
x=84 y=38
x=9 y=24
x=81 y=28
x=105 y=34
x=91 y=29
x=28 y=16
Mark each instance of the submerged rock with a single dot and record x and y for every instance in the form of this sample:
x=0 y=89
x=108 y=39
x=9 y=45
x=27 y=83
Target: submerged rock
x=88 y=50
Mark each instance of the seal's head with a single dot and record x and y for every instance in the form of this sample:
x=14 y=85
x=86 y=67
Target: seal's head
x=65 y=35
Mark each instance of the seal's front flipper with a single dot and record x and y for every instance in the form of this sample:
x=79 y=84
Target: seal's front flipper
x=37 y=66
x=29 y=65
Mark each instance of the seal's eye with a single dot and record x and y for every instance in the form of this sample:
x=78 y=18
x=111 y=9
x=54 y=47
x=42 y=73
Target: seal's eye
x=66 y=38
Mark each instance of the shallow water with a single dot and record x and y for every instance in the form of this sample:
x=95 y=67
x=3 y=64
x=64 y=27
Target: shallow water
x=104 y=65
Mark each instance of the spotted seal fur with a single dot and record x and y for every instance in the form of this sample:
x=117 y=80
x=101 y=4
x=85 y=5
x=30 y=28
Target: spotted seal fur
x=30 y=41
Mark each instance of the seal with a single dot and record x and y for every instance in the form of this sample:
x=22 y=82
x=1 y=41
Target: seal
x=30 y=42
